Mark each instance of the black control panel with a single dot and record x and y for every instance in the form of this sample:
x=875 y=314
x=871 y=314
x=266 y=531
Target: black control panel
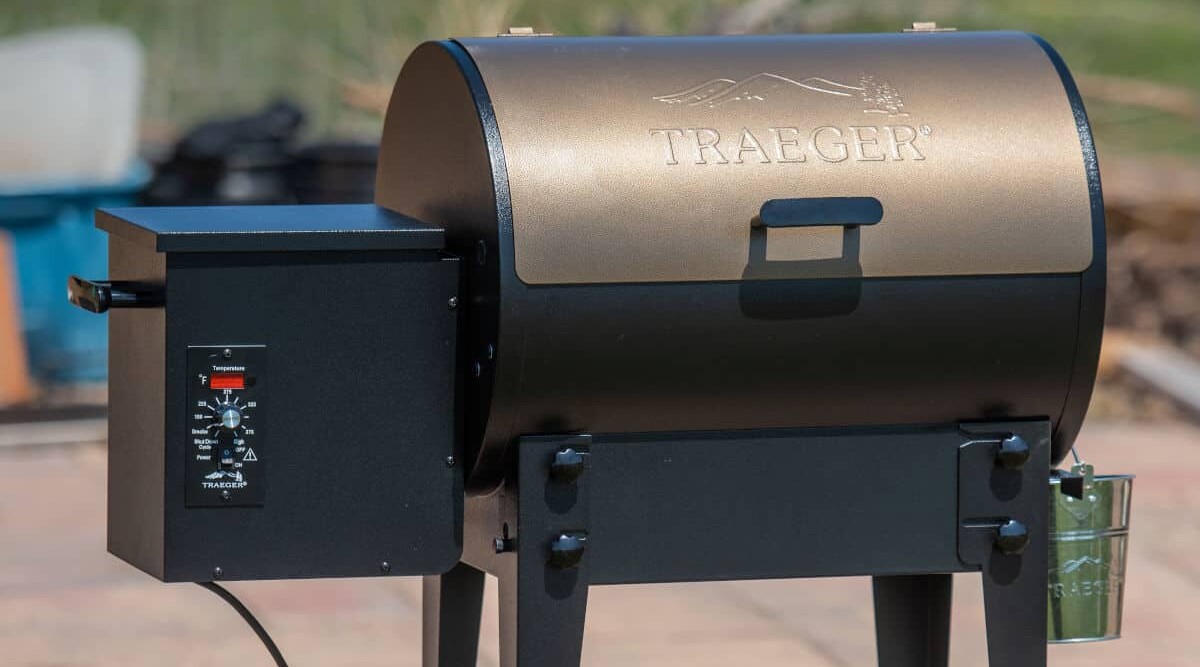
x=225 y=443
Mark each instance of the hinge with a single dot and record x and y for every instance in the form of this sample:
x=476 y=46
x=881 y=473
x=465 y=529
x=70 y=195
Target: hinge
x=524 y=31
x=928 y=26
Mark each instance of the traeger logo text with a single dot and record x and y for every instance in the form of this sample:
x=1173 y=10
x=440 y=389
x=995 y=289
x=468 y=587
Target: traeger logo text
x=790 y=144
x=828 y=143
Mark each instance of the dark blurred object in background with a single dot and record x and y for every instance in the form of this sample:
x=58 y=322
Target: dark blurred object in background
x=1154 y=245
x=334 y=172
x=1153 y=211
x=254 y=159
x=235 y=160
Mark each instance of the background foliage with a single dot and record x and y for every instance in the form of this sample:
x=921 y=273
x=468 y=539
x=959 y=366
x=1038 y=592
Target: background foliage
x=207 y=57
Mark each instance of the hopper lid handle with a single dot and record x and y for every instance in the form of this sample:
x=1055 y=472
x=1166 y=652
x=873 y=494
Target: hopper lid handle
x=97 y=296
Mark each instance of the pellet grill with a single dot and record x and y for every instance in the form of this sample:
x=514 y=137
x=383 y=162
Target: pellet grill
x=634 y=310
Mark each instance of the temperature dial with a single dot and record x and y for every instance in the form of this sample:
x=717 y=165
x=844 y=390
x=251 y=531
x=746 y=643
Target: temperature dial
x=230 y=417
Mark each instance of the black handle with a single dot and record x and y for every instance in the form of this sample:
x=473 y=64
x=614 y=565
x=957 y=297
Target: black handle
x=97 y=296
x=821 y=212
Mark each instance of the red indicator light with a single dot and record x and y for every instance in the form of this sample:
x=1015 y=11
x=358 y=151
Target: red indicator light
x=227 y=381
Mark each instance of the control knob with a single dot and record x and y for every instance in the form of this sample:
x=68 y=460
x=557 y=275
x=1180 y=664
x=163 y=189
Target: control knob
x=230 y=417
x=227 y=416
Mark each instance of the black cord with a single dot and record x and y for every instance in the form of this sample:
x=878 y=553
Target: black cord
x=249 y=618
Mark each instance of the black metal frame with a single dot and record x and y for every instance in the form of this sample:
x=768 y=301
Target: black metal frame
x=907 y=506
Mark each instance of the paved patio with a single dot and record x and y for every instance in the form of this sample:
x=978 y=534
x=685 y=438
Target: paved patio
x=64 y=601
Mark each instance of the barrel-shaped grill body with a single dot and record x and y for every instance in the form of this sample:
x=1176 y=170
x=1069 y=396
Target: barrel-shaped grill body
x=623 y=275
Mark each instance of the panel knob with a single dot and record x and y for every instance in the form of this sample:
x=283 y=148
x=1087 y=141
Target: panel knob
x=1012 y=537
x=567 y=550
x=568 y=465
x=1013 y=453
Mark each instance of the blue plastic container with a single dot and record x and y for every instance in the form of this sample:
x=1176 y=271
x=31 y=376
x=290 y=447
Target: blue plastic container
x=54 y=236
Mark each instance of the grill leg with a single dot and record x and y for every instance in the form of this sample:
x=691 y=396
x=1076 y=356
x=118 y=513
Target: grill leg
x=912 y=620
x=543 y=597
x=1014 y=602
x=1014 y=583
x=451 y=606
x=541 y=616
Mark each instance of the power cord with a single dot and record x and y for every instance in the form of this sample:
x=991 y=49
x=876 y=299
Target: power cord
x=242 y=611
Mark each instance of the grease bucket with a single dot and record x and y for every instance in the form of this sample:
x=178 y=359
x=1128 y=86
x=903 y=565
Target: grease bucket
x=1089 y=540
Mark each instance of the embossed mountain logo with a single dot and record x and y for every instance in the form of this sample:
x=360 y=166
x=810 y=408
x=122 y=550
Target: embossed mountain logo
x=1074 y=565
x=877 y=96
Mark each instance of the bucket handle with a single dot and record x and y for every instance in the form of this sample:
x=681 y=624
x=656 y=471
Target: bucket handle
x=1076 y=482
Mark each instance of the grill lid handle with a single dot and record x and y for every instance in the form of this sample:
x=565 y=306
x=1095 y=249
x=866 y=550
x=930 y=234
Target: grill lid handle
x=820 y=212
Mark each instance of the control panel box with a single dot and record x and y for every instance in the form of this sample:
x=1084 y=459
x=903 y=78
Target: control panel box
x=285 y=405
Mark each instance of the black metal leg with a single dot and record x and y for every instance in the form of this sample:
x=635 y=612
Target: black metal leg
x=542 y=614
x=451 y=606
x=912 y=620
x=543 y=590
x=992 y=495
x=1014 y=601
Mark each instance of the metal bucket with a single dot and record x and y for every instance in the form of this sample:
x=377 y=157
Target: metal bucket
x=1088 y=544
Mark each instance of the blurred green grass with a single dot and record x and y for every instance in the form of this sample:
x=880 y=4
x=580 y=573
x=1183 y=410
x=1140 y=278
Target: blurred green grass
x=207 y=57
